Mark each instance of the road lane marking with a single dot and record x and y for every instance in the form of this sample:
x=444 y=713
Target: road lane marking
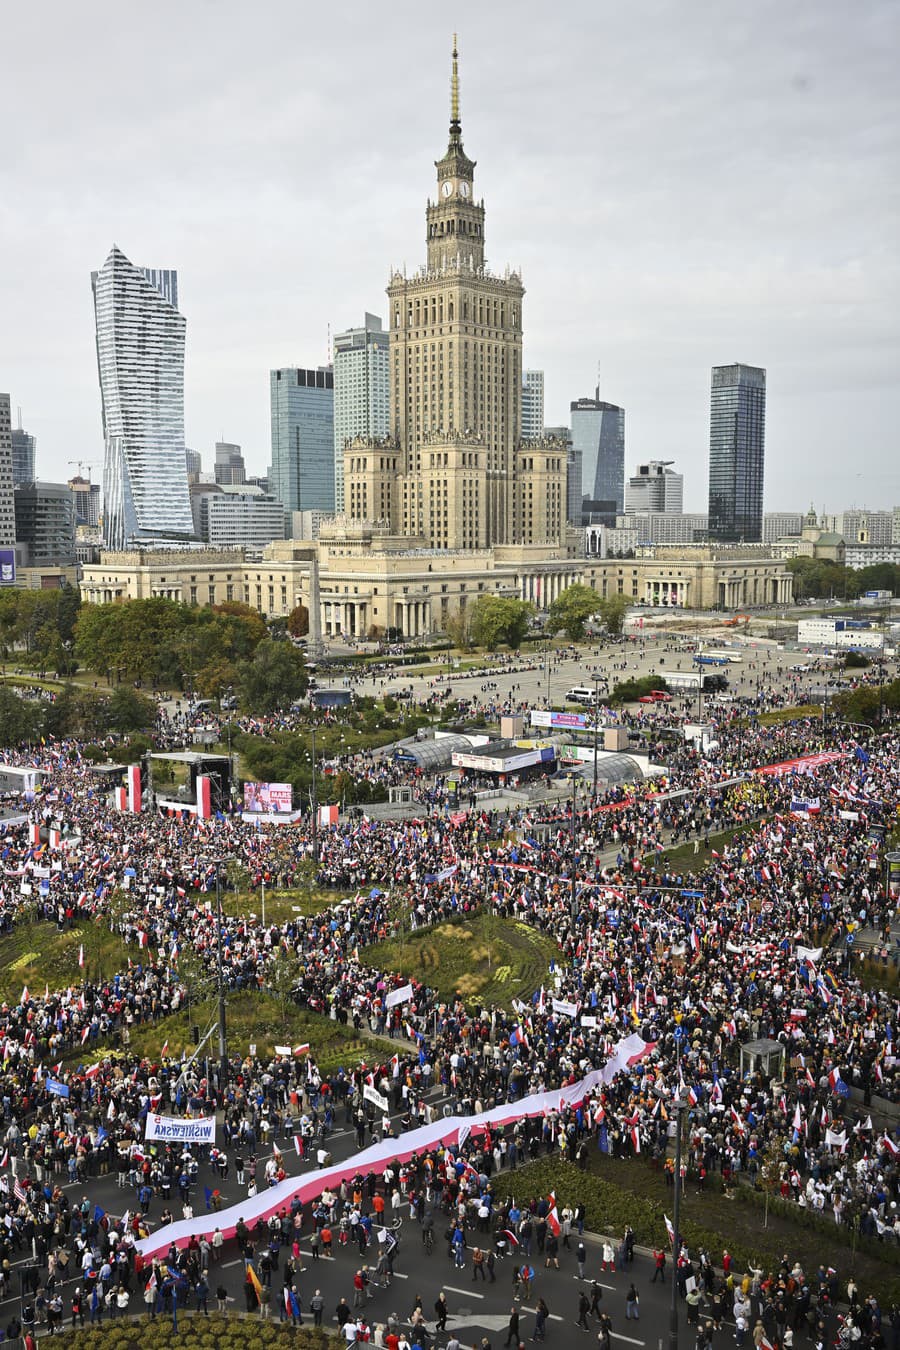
x=470 y=1293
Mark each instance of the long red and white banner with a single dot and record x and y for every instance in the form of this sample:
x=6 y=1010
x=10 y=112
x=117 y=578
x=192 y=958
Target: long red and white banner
x=375 y=1158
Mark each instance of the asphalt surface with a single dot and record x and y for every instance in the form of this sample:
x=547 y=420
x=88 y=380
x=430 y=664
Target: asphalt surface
x=476 y=1310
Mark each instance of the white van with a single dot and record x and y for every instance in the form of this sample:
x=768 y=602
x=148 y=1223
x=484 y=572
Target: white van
x=582 y=693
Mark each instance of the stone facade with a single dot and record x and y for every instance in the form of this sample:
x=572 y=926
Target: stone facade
x=455 y=473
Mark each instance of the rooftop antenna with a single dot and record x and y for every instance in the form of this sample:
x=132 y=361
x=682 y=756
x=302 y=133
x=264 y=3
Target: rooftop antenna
x=19 y=411
x=597 y=392
x=328 y=353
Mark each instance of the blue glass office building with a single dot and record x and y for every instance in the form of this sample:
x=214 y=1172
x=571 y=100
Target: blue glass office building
x=598 y=434
x=737 y=453
x=302 y=471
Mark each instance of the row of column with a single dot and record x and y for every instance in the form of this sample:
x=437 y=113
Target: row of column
x=543 y=590
x=414 y=617
x=667 y=591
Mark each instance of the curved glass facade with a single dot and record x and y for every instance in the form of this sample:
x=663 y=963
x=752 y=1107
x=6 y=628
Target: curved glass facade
x=140 y=359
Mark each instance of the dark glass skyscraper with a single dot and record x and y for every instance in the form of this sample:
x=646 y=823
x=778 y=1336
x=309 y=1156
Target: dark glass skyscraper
x=737 y=453
x=598 y=433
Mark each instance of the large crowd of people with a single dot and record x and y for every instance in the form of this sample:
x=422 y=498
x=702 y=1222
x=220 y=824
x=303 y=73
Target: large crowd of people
x=763 y=949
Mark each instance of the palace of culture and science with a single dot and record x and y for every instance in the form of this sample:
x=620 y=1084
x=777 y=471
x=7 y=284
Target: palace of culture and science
x=455 y=474
x=453 y=503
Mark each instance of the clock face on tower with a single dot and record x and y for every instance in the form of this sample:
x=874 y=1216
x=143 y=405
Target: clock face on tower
x=446 y=189
x=464 y=190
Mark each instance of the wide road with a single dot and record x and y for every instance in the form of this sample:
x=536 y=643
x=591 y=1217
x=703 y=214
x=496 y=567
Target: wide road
x=476 y=1309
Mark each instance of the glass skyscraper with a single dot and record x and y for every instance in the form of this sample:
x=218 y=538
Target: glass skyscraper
x=24 y=448
x=140 y=359
x=598 y=432
x=737 y=453
x=302 y=471
x=532 y=405
x=361 y=391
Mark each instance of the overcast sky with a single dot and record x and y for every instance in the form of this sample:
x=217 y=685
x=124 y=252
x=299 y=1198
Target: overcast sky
x=683 y=183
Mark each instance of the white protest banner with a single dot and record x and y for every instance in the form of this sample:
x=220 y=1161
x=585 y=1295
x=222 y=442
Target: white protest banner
x=201 y=1130
x=561 y=1005
x=849 y=815
x=371 y=1095
x=808 y=953
x=401 y=995
x=282 y=1049
x=588 y=1020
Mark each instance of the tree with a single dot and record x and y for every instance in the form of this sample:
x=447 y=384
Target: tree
x=298 y=621
x=20 y=719
x=572 y=609
x=612 y=610
x=768 y=1177
x=217 y=675
x=273 y=679
x=130 y=711
x=497 y=618
x=459 y=629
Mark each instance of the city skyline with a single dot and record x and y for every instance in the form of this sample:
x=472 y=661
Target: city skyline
x=657 y=268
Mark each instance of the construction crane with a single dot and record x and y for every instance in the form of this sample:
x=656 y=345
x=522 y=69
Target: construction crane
x=83 y=464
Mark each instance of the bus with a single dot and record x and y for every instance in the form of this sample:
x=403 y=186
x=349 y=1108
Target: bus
x=692 y=680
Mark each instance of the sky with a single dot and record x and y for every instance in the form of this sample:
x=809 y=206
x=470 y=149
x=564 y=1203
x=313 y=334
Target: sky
x=683 y=184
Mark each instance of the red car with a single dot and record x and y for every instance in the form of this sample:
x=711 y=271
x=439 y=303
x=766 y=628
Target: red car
x=655 y=696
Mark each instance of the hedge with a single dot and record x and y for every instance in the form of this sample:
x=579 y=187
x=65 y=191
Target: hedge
x=196 y=1333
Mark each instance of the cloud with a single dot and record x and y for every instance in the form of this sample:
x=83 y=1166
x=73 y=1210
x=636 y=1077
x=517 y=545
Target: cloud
x=682 y=185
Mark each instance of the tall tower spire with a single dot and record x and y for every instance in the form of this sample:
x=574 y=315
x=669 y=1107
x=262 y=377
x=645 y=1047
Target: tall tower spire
x=455 y=125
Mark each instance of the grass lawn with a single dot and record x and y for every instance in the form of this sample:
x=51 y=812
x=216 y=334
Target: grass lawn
x=37 y=954
x=259 y=1019
x=684 y=859
x=779 y=715
x=617 y=1192
x=484 y=958
x=740 y=1223
x=280 y=905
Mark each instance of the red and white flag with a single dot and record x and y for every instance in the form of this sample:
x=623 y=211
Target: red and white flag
x=298 y=1145
x=81 y=955
x=552 y=1214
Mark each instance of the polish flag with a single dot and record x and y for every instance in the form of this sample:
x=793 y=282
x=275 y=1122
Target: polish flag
x=552 y=1214
x=298 y=1145
x=886 y=1140
x=165 y=1049
x=25 y=995
x=670 y=1230
x=81 y=955
x=302 y=1049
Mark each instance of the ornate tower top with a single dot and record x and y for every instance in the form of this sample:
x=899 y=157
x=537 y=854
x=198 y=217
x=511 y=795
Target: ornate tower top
x=455 y=127
x=455 y=163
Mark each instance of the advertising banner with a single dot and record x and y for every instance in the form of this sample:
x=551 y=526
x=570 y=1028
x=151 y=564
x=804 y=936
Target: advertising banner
x=201 y=1130
x=571 y=721
x=7 y=566
x=268 y=797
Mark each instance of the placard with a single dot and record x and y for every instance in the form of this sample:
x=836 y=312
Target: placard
x=201 y=1130
x=375 y=1097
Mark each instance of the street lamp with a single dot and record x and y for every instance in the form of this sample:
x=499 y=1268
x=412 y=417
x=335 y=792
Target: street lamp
x=223 y=1044
x=597 y=679
x=573 y=900
x=315 y=803
x=678 y=1104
